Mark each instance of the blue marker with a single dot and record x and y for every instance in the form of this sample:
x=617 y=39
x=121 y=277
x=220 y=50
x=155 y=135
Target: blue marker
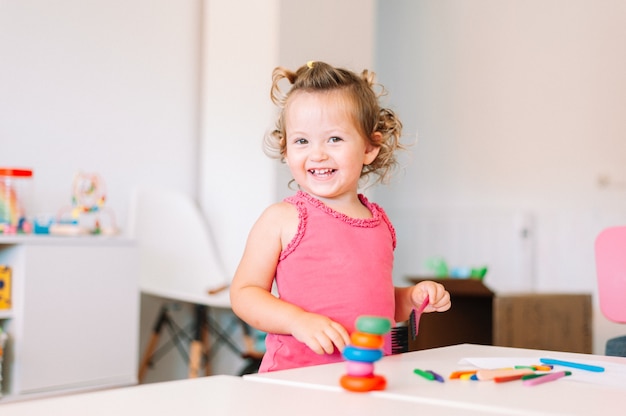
x=580 y=366
x=437 y=377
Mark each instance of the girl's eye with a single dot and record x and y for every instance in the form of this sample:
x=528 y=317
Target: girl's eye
x=300 y=141
x=335 y=139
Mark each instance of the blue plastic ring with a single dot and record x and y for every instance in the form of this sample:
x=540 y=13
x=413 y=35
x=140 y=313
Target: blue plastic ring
x=364 y=355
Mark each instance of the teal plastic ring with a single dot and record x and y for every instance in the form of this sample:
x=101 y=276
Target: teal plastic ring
x=364 y=355
x=373 y=325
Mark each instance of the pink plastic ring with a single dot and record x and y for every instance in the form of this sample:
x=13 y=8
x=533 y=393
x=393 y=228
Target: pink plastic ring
x=359 y=369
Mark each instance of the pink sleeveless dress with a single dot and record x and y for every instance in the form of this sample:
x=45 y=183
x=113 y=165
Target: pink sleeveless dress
x=336 y=266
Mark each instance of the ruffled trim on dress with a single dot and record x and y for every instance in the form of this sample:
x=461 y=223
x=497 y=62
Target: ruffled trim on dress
x=357 y=222
x=302 y=220
x=298 y=200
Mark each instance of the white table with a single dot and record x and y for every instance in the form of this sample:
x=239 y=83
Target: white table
x=315 y=391
x=560 y=397
x=222 y=395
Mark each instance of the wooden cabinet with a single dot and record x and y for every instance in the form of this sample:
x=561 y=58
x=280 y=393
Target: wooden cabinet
x=74 y=318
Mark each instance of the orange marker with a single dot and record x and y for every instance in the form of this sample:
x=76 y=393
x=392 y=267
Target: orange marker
x=458 y=374
x=514 y=377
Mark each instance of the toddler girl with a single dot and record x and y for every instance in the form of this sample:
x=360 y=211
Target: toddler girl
x=327 y=248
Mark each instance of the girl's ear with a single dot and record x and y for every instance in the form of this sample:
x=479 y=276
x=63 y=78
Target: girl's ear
x=371 y=150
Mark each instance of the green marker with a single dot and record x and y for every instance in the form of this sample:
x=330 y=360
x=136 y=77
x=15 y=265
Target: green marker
x=531 y=376
x=425 y=374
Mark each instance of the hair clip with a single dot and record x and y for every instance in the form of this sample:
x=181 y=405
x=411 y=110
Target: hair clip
x=310 y=64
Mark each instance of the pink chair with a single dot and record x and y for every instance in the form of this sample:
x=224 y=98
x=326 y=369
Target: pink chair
x=611 y=272
x=611 y=275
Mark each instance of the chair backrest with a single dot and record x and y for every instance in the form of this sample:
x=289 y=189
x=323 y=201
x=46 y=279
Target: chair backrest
x=611 y=272
x=178 y=257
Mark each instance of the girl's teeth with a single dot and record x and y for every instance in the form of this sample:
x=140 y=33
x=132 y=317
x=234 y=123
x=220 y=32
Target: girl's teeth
x=321 y=171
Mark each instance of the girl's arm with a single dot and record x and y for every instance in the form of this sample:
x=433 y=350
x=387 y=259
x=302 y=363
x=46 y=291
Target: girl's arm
x=250 y=290
x=411 y=297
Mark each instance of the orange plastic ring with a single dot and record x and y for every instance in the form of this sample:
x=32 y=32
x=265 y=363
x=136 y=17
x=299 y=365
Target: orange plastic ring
x=363 y=384
x=366 y=340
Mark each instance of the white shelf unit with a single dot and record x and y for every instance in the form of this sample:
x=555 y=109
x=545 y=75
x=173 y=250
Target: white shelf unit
x=75 y=313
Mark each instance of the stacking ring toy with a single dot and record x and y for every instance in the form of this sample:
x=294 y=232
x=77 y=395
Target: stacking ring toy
x=364 y=355
x=373 y=325
x=365 y=340
x=363 y=384
x=359 y=369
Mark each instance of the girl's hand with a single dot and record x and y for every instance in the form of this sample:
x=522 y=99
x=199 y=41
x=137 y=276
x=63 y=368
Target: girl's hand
x=320 y=333
x=438 y=296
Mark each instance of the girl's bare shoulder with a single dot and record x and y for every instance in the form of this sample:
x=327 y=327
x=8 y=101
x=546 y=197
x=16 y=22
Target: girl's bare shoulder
x=278 y=216
x=281 y=220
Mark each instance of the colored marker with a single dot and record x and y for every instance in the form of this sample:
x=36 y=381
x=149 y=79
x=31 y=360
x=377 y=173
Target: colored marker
x=535 y=367
x=425 y=374
x=580 y=366
x=438 y=377
x=508 y=378
x=534 y=375
x=505 y=372
x=545 y=378
x=458 y=374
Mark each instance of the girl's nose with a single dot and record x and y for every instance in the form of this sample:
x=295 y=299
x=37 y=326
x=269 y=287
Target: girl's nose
x=318 y=153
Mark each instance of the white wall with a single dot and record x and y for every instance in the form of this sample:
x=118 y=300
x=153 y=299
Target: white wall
x=518 y=109
x=236 y=179
x=99 y=86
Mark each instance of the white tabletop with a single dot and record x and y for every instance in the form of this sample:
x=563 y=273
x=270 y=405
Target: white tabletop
x=582 y=394
x=221 y=395
x=315 y=391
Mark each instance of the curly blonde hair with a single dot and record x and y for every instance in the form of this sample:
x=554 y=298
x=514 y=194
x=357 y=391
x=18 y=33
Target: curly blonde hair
x=369 y=116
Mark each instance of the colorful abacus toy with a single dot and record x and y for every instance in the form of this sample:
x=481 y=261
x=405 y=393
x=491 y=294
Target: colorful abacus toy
x=364 y=350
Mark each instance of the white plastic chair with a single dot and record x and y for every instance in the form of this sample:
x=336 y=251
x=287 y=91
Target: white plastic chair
x=179 y=262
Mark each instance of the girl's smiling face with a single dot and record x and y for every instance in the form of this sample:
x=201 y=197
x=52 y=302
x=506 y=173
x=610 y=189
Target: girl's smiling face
x=325 y=149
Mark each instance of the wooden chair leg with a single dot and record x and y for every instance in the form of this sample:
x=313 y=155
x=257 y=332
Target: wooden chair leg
x=195 y=354
x=145 y=362
x=206 y=348
x=196 y=346
x=152 y=344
